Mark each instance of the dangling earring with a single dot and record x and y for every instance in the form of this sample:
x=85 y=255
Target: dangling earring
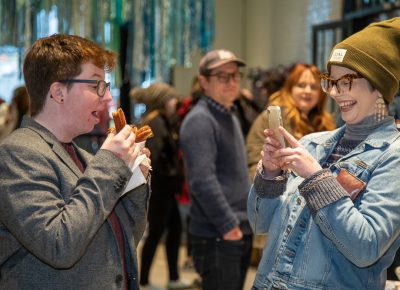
x=380 y=109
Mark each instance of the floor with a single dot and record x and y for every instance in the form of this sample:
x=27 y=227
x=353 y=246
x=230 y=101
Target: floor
x=159 y=270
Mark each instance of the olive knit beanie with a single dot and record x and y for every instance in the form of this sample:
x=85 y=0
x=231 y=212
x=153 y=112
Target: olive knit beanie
x=374 y=53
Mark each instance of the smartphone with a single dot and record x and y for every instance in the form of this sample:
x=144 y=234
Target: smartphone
x=275 y=120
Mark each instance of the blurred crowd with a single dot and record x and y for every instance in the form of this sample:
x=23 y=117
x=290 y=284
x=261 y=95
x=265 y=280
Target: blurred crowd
x=165 y=112
x=296 y=88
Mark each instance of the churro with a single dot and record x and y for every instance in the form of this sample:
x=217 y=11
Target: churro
x=142 y=133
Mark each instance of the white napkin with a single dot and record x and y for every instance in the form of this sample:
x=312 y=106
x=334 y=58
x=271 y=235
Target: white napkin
x=137 y=177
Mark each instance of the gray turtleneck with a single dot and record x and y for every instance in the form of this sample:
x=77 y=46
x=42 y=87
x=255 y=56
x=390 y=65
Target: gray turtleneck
x=353 y=135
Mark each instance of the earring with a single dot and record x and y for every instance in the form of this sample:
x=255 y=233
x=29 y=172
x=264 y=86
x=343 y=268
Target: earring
x=61 y=100
x=380 y=109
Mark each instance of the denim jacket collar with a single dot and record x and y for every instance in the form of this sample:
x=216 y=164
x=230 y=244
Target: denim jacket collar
x=325 y=142
x=385 y=135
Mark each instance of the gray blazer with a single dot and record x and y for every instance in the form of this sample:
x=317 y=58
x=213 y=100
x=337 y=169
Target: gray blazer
x=54 y=232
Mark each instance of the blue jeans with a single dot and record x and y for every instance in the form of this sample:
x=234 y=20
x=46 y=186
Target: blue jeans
x=221 y=264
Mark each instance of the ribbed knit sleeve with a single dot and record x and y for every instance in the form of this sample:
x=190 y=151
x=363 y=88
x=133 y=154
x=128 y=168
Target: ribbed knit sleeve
x=321 y=189
x=268 y=188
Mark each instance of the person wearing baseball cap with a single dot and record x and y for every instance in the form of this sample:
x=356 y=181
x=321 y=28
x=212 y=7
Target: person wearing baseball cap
x=330 y=202
x=216 y=170
x=217 y=58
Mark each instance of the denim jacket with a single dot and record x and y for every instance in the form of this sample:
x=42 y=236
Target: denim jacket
x=344 y=245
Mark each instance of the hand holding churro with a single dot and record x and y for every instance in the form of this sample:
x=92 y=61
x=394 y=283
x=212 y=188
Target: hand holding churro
x=124 y=141
x=123 y=145
x=142 y=133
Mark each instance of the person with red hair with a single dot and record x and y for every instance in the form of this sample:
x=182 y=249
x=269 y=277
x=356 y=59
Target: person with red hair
x=302 y=102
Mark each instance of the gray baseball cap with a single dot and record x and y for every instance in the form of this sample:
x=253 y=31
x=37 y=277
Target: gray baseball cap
x=216 y=58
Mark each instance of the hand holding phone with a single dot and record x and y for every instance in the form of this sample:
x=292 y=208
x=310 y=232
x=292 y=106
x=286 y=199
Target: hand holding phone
x=275 y=120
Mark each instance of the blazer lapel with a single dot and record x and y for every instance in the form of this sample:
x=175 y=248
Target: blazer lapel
x=56 y=146
x=64 y=156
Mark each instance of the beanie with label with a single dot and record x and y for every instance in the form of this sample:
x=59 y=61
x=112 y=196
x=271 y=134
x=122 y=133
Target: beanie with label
x=374 y=53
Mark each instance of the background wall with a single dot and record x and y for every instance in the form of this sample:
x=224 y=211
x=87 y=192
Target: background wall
x=265 y=33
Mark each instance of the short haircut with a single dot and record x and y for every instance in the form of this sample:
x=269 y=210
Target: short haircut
x=59 y=57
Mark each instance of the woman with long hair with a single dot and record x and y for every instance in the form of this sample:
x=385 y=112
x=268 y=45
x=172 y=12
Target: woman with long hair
x=302 y=102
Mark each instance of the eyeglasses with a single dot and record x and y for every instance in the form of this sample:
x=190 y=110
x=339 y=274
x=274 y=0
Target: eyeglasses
x=101 y=86
x=343 y=84
x=226 y=77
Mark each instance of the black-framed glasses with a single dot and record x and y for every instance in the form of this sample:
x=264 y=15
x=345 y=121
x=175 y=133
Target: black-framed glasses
x=101 y=86
x=343 y=84
x=223 y=77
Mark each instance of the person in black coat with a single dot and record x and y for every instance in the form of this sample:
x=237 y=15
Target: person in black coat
x=161 y=102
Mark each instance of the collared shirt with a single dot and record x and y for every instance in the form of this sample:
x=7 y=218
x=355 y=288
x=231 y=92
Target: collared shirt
x=218 y=106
